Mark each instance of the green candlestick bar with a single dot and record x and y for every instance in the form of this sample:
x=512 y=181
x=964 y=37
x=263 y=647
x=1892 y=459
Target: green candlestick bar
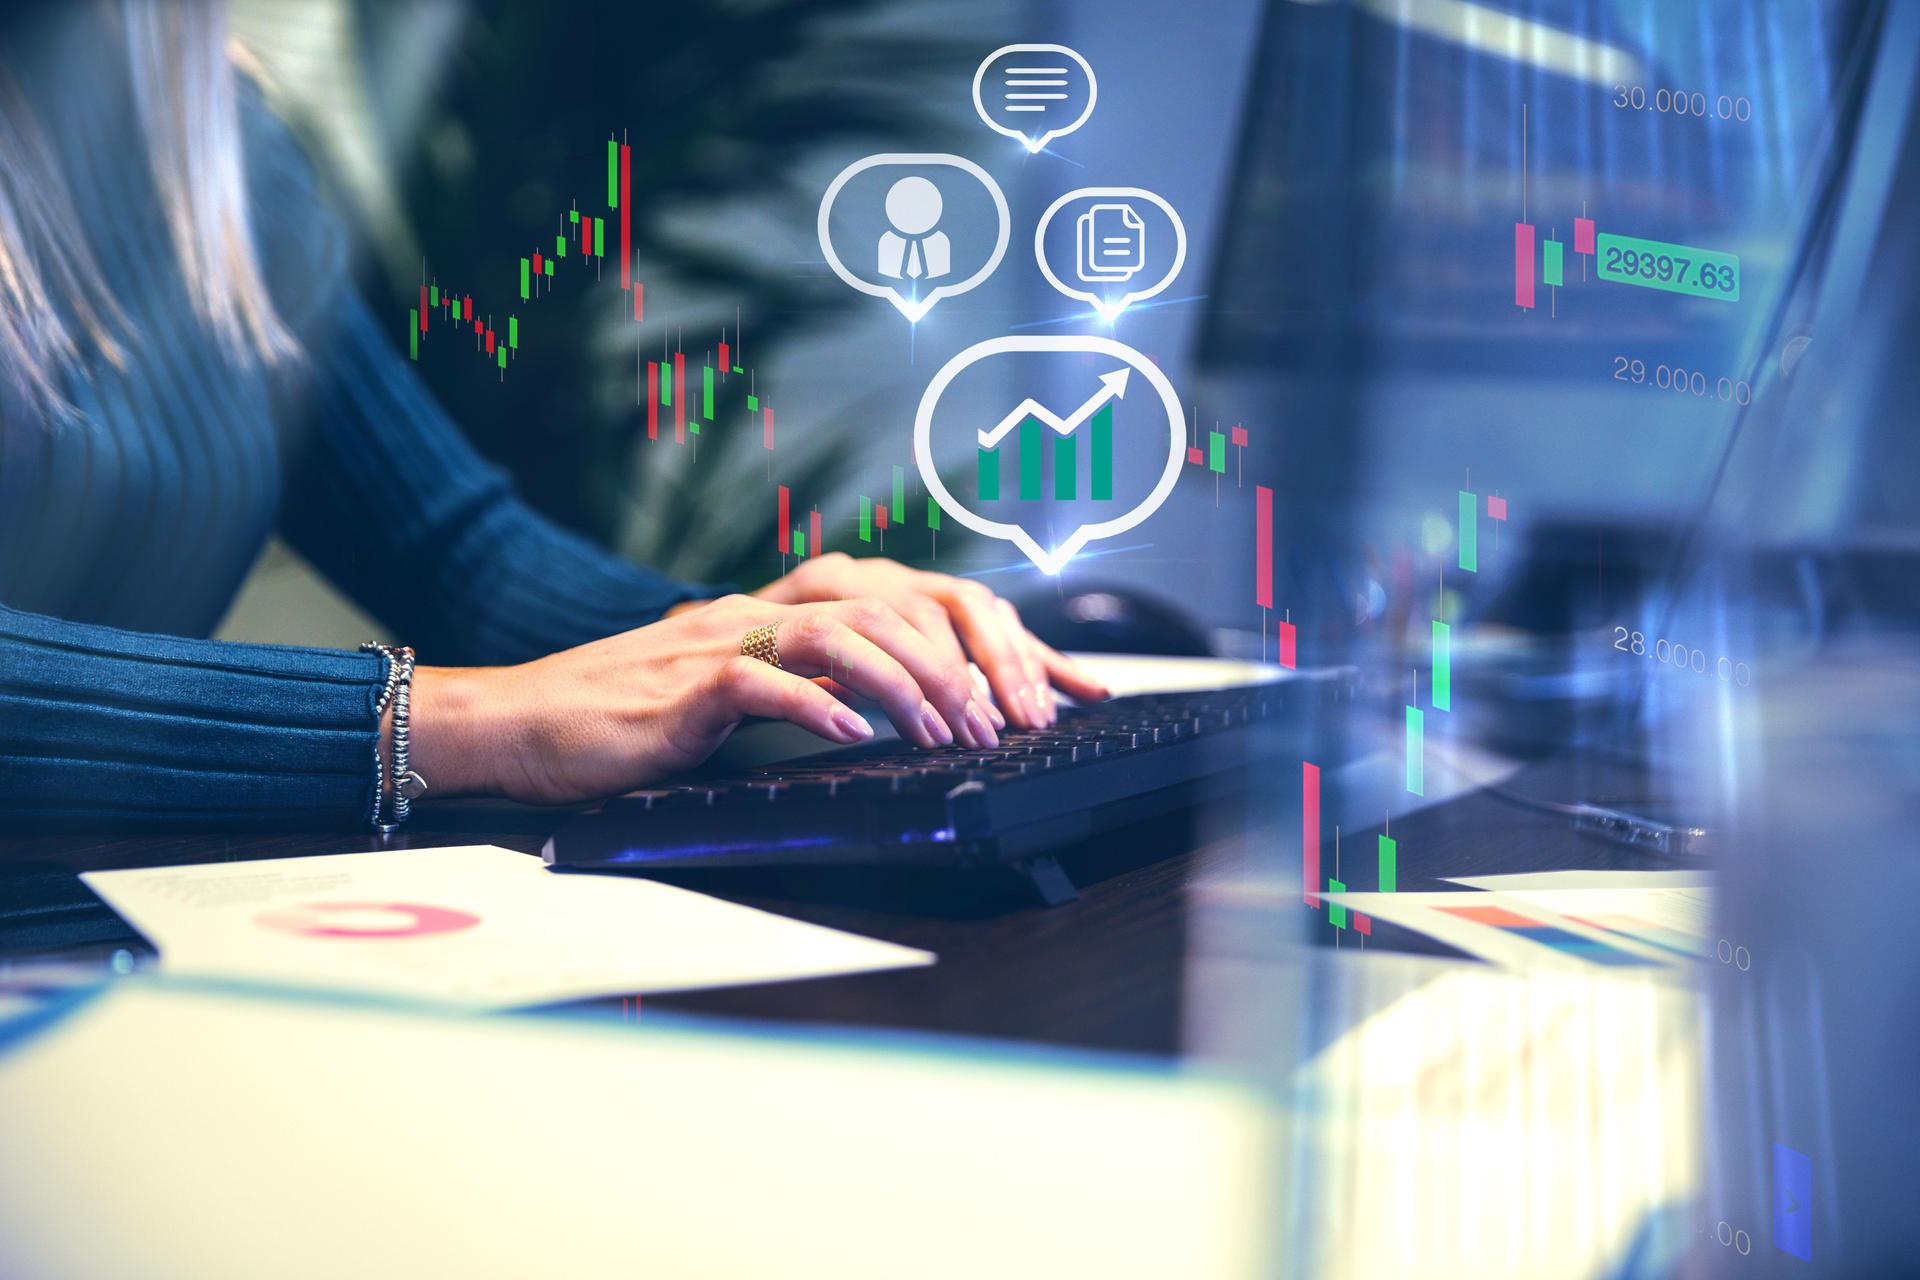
x=613 y=174
x=502 y=353
x=513 y=332
x=1217 y=451
x=706 y=393
x=599 y=236
x=1442 y=667
x=1553 y=266
x=799 y=541
x=526 y=269
x=866 y=519
x=546 y=267
x=1416 y=763
x=1102 y=460
x=666 y=382
x=433 y=296
x=1030 y=459
x=560 y=246
x=573 y=215
x=897 y=513
x=753 y=403
x=933 y=514
x=1336 y=914
x=989 y=474
x=1469 y=532
x=1063 y=467
x=413 y=332
x=1673 y=268
x=1389 y=865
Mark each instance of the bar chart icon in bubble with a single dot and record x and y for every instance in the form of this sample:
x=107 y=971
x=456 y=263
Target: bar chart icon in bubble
x=1102 y=374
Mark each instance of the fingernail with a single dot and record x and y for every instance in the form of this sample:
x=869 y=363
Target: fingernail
x=936 y=727
x=993 y=714
x=981 y=729
x=1044 y=696
x=852 y=726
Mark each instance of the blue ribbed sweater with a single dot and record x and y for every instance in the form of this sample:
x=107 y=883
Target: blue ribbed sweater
x=125 y=535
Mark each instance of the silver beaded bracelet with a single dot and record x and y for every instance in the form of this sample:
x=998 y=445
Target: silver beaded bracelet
x=393 y=805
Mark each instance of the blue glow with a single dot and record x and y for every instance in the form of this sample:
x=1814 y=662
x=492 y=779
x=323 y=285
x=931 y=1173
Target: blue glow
x=1081 y=317
x=1027 y=566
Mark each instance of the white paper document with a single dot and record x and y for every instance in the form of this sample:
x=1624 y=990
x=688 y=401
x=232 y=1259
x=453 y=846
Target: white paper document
x=472 y=924
x=1575 y=920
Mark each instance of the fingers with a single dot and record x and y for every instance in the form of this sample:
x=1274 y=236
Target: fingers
x=750 y=687
x=976 y=615
x=867 y=646
x=1079 y=683
x=1026 y=646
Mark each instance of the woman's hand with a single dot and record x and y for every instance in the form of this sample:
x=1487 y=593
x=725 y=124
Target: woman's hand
x=621 y=712
x=958 y=618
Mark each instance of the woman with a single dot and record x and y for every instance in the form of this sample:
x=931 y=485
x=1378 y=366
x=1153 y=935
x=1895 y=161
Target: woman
x=183 y=373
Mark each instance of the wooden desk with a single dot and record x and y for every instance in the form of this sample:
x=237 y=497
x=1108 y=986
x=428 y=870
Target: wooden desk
x=1104 y=971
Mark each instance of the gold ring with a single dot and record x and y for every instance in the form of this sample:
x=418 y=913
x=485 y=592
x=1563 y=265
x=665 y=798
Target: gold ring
x=759 y=644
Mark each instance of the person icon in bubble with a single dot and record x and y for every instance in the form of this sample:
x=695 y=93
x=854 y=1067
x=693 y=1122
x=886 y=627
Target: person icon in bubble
x=912 y=249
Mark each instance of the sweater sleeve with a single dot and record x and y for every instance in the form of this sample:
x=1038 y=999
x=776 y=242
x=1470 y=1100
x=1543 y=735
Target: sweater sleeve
x=100 y=724
x=391 y=503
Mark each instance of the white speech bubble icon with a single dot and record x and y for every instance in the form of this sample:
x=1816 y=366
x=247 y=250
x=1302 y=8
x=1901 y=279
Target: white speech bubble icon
x=914 y=308
x=1105 y=309
x=1112 y=386
x=1032 y=97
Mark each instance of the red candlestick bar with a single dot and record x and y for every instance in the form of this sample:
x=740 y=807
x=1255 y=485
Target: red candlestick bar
x=586 y=237
x=1523 y=264
x=813 y=533
x=1286 y=645
x=1310 y=832
x=626 y=221
x=1363 y=924
x=766 y=426
x=726 y=365
x=1239 y=435
x=880 y=514
x=1583 y=235
x=1195 y=457
x=679 y=397
x=639 y=299
x=479 y=326
x=786 y=537
x=489 y=342
x=423 y=308
x=466 y=308
x=1263 y=546
x=653 y=400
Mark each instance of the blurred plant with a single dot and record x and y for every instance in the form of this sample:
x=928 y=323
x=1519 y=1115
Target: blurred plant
x=491 y=119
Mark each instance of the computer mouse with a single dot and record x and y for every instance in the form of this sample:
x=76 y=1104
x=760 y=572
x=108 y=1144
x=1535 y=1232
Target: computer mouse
x=1111 y=618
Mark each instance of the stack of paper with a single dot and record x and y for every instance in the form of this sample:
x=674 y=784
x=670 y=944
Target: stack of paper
x=473 y=924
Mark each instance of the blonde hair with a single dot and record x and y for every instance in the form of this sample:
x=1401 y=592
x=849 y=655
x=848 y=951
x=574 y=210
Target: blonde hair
x=184 y=95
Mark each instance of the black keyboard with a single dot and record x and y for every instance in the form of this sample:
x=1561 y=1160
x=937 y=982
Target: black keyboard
x=1097 y=768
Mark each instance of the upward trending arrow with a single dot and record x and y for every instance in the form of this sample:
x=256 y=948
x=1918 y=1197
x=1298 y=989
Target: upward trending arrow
x=1113 y=386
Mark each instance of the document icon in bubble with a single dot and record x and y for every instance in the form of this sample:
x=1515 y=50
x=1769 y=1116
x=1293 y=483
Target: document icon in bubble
x=1110 y=243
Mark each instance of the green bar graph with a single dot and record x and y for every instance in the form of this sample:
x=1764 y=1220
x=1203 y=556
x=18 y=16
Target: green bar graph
x=989 y=474
x=413 y=332
x=1336 y=914
x=1030 y=460
x=1552 y=268
x=706 y=393
x=526 y=268
x=1442 y=667
x=1063 y=467
x=1469 y=532
x=1389 y=865
x=897 y=513
x=1416 y=759
x=866 y=519
x=1216 y=451
x=613 y=174
x=933 y=514
x=513 y=332
x=599 y=237
x=1102 y=461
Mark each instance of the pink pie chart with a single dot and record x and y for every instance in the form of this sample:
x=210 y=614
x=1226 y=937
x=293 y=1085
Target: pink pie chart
x=366 y=920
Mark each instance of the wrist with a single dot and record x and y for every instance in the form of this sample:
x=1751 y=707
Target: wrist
x=457 y=738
